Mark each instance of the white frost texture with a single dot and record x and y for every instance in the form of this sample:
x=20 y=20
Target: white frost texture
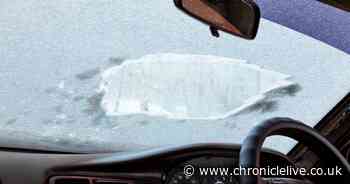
x=187 y=86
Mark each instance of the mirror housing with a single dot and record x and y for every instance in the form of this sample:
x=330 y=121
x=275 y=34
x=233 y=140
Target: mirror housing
x=237 y=17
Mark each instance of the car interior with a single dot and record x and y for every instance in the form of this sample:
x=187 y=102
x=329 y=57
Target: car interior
x=326 y=145
x=166 y=165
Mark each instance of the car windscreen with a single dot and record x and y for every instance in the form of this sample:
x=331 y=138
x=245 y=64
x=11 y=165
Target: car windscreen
x=94 y=76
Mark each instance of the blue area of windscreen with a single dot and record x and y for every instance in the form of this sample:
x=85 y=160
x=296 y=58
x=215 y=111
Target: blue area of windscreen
x=311 y=17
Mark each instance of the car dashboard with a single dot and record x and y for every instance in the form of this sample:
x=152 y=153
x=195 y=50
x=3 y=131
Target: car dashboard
x=156 y=166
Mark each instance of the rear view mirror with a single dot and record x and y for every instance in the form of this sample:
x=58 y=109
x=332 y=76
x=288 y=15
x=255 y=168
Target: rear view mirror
x=237 y=17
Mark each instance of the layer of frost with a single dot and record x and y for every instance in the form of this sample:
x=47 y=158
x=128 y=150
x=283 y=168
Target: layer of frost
x=186 y=86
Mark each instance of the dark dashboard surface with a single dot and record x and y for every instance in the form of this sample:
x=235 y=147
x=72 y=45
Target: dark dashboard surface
x=154 y=166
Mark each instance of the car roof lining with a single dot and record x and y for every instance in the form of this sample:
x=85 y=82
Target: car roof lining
x=341 y=4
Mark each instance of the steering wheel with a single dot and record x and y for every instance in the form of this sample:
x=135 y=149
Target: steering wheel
x=251 y=147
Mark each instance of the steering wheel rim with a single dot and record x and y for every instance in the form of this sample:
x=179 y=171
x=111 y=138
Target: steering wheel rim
x=252 y=145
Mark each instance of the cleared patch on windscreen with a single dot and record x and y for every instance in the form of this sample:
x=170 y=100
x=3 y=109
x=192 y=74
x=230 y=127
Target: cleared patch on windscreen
x=188 y=86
